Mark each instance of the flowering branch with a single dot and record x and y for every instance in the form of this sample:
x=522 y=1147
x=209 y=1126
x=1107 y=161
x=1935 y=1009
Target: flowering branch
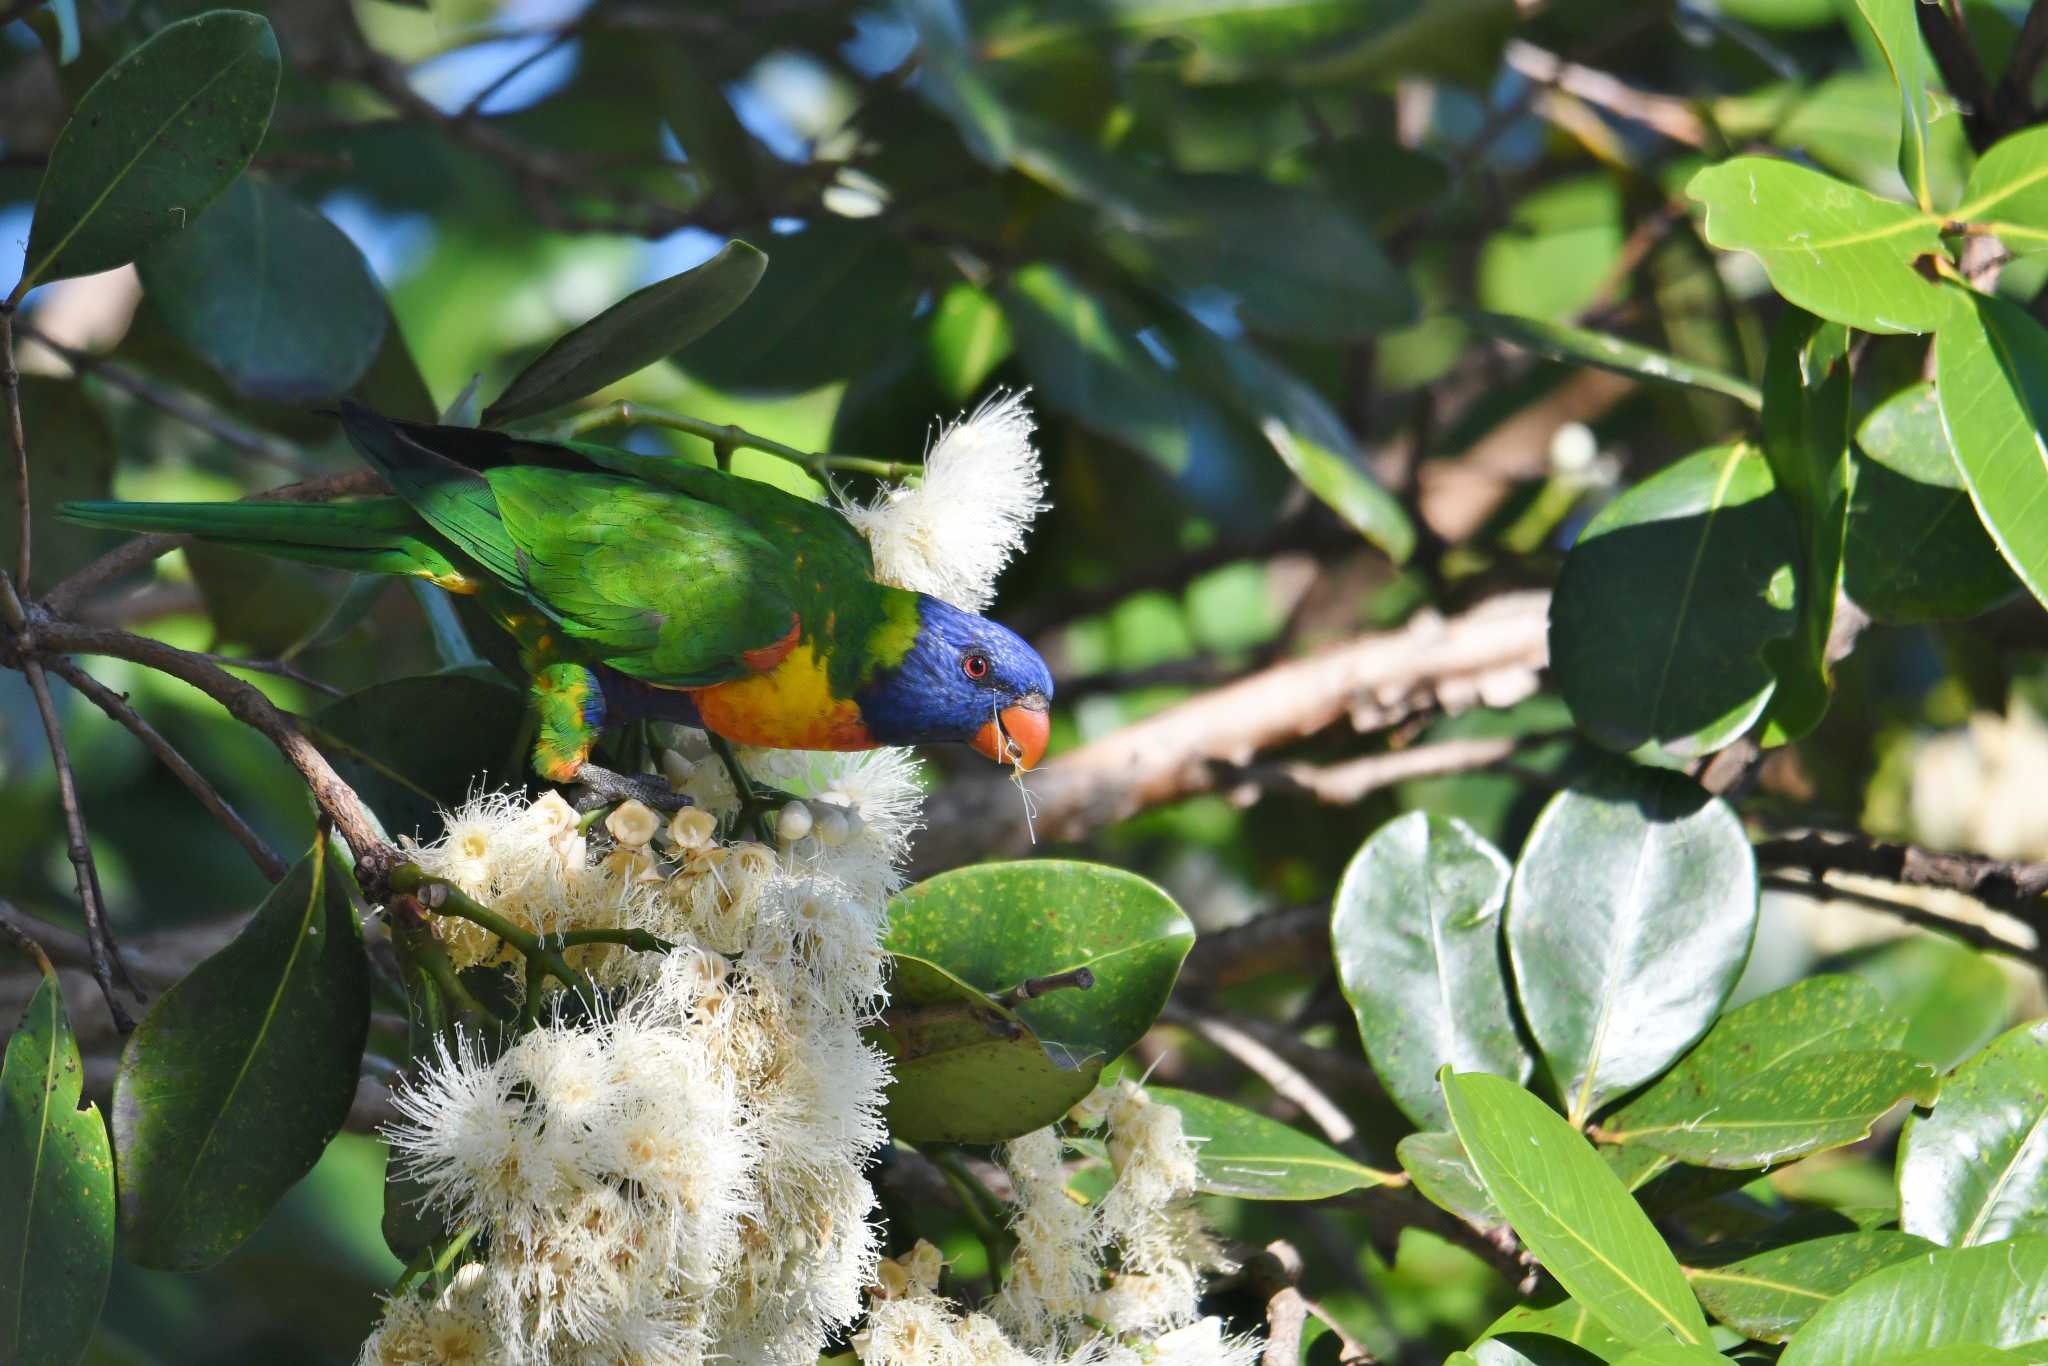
x=727 y=437
x=444 y=898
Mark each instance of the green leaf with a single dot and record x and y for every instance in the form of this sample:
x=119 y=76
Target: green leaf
x=1243 y=1154
x=268 y=605
x=992 y=926
x=56 y=1191
x=1898 y=37
x=1769 y=1295
x=640 y=329
x=1829 y=247
x=1312 y=441
x=1415 y=929
x=1976 y=1169
x=1572 y=1213
x=1667 y=602
x=414 y=747
x=71 y=452
x=1992 y=1296
x=1991 y=376
x=1556 y=252
x=1916 y=551
x=1807 y=1067
x=1436 y=1162
x=231 y=1087
x=275 y=297
x=1563 y=1333
x=2008 y=192
x=836 y=287
x=1806 y=440
x=966 y=1069
x=155 y=139
x=1623 y=876
x=1674 y=1354
x=1954 y=999
x=969 y=337
x=1582 y=346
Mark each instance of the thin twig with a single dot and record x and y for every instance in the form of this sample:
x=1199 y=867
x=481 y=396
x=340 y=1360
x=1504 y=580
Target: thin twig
x=2012 y=102
x=276 y=668
x=727 y=437
x=1031 y=988
x=10 y=379
x=1289 y=1082
x=444 y=898
x=2014 y=886
x=1975 y=935
x=116 y=706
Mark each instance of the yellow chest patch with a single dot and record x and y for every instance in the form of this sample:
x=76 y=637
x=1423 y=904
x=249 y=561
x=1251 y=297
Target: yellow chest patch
x=791 y=706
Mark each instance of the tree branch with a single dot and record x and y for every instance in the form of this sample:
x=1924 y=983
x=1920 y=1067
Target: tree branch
x=116 y=706
x=1492 y=654
x=2011 y=885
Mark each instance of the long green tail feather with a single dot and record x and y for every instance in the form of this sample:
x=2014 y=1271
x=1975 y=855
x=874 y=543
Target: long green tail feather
x=374 y=536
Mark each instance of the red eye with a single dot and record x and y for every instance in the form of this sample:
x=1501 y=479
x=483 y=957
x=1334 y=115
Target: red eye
x=976 y=666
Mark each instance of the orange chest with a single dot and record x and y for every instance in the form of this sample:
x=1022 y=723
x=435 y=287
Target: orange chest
x=790 y=706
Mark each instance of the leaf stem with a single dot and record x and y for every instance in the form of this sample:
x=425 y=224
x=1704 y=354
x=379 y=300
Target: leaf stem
x=434 y=1259
x=445 y=898
x=980 y=1205
x=726 y=438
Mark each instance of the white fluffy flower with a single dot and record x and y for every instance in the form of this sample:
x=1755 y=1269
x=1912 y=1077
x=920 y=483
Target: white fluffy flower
x=952 y=533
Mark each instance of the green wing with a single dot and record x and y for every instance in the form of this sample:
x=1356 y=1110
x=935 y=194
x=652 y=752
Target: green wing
x=658 y=585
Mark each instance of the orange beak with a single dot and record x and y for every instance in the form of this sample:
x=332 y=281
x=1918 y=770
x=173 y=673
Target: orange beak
x=1019 y=733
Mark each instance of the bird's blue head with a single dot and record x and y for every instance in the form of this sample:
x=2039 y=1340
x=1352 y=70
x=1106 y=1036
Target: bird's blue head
x=964 y=678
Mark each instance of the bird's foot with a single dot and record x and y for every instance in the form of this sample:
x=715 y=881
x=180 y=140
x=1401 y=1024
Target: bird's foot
x=599 y=786
x=756 y=803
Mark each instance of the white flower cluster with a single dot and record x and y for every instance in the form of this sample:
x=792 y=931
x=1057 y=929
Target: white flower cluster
x=680 y=1179
x=950 y=534
x=1113 y=1284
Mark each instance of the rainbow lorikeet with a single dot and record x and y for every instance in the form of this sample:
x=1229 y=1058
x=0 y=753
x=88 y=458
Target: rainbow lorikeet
x=643 y=587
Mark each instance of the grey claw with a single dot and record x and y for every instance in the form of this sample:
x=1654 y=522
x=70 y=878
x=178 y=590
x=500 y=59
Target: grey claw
x=602 y=787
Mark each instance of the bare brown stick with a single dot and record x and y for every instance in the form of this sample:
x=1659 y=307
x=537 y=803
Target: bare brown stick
x=1490 y=655
x=2012 y=102
x=1352 y=781
x=223 y=429
x=1969 y=932
x=1276 y=1273
x=1961 y=70
x=10 y=378
x=1289 y=1082
x=116 y=706
x=2011 y=885
x=132 y=556
x=1031 y=988
x=246 y=703
x=1666 y=114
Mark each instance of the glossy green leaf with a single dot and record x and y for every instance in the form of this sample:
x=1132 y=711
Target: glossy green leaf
x=1992 y=382
x=1898 y=38
x=994 y=925
x=1556 y=252
x=1674 y=1354
x=1436 y=1162
x=2008 y=192
x=56 y=1191
x=1769 y=1295
x=1623 y=876
x=1954 y=999
x=1992 y=1296
x=1582 y=346
x=415 y=747
x=1916 y=551
x=1829 y=247
x=969 y=337
x=1562 y=1333
x=275 y=297
x=640 y=329
x=1806 y=439
x=1416 y=932
x=1807 y=1067
x=231 y=1087
x=1570 y=1211
x=152 y=143
x=1667 y=602
x=1963 y=1354
x=1976 y=1169
x=1242 y=1153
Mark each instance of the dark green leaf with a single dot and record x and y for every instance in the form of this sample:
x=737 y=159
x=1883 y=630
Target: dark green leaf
x=1807 y=1067
x=1415 y=929
x=1581 y=346
x=698 y=113
x=231 y=1087
x=1667 y=602
x=1829 y=247
x=1806 y=440
x=1564 y=1333
x=1621 y=877
x=1436 y=1162
x=1992 y=382
x=1769 y=1295
x=1242 y=1153
x=1954 y=999
x=2009 y=195
x=1976 y=1170
x=393 y=384
x=1993 y=1296
x=1674 y=1354
x=991 y=927
x=640 y=329
x=1572 y=1212
x=414 y=747
x=1916 y=551
x=71 y=454
x=153 y=142
x=968 y=339
x=275 y=297
x=56 y=1192
x=268 y=605
x=1898 y=38
x=967 y=1070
